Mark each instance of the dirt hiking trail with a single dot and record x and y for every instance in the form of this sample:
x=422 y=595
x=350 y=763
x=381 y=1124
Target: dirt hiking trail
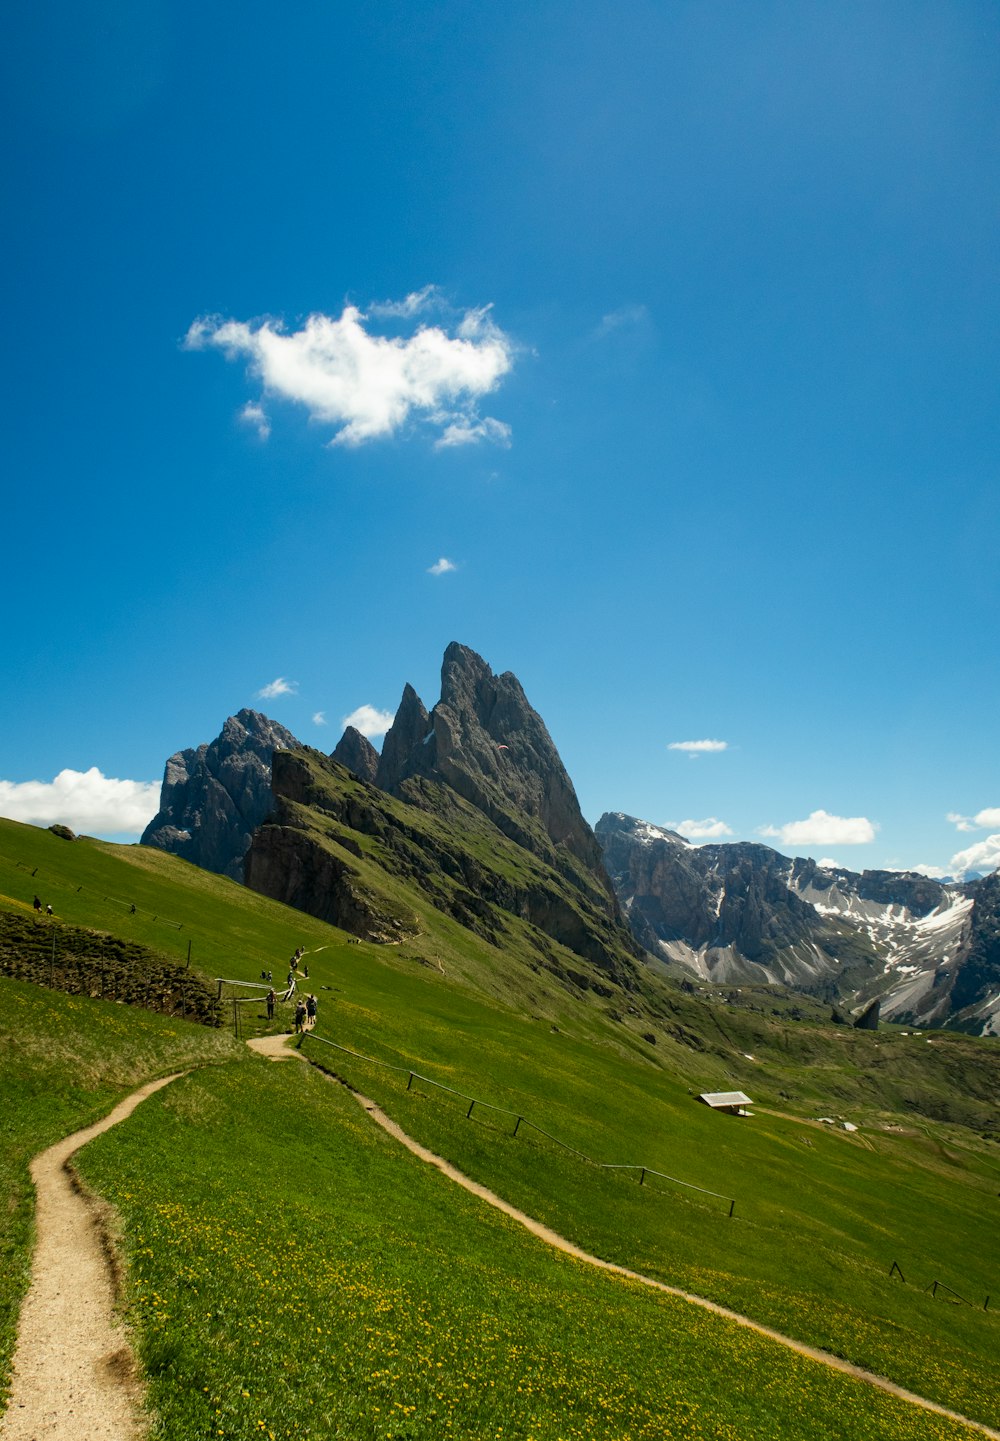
x=276 y=1048
x=74 y=1375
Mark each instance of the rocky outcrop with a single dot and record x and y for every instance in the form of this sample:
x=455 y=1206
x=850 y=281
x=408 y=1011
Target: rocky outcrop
x=435 y=840
x=357 y=753
x=485 y=741
x=215 y=796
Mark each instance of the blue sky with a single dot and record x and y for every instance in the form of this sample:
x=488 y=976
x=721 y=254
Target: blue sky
x=671 y=327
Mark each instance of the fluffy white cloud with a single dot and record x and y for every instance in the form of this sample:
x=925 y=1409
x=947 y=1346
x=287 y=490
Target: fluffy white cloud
x=708 y=829
x=255 y=415
x=442 y=566
x=369 y=385
x=276 y=687
x=698 y=748
x=319 y=718
x=369 y=721
x=981 y=821
x=934 y=873
x=984 y=856
x=822 y=829
x=86 y=801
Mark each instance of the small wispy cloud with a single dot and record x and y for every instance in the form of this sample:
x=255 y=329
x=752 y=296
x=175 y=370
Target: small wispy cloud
x=254 y=415
x=442 y=566
x=470 y=432
x=319 y=718
x=822 y=829
x=279 y=686
x=981 y=821
x=369 y=386
x=369 y=721
x=83 y=800
x=694 y=749
x=624 y=318
x=708 y=829
x=418 y=302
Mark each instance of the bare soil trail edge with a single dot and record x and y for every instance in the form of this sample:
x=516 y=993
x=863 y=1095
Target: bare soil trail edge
x=74 y=1375
x=276 y=1049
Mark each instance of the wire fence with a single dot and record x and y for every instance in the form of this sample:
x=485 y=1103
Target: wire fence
x=521 y=1120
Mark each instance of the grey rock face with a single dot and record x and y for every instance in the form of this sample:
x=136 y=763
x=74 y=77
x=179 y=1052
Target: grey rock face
x=930 y=953
x=357 y=753
x=214 y=796
x=485 y=741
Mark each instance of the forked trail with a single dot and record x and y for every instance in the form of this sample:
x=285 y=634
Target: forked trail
x=274 y=1046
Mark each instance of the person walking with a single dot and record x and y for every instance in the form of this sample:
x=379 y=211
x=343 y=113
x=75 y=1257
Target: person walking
x=300 y=1018
x=37 y=905
x=312 y=1007
x=271 y=998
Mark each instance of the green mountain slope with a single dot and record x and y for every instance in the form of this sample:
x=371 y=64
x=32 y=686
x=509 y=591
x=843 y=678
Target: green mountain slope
x=820 y=1214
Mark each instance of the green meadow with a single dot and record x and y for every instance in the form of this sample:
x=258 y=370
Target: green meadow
x=292 y=1271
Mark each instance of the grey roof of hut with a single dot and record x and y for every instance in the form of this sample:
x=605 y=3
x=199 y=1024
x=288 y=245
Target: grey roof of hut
x=726 y=1100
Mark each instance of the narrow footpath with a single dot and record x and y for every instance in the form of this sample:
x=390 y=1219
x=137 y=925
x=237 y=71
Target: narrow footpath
x=276 y=1049
x=74 y=1374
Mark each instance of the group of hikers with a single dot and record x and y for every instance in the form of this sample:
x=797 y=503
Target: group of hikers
x=305 y=1009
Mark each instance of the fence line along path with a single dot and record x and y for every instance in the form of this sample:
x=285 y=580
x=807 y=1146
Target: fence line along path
x=276 y=1049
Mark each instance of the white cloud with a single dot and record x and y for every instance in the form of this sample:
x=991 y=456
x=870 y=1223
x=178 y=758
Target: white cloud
x=319 y=718
x=83 y=800
x=255 y=415
x=934 y=873
x=983 y=856
x=418 y=302
x=279 y=686
x=442 y=566
x=368 y=385
x=822 y=829
x=707 y=829
x=468 y=432
x=981 y=821
x=369 y=721
x=828 y=864
x=622 y=318
x=698 y=748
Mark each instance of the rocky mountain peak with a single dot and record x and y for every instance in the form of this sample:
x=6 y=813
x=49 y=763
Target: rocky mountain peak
x=399 y=749
x=215 y=795
x=357 y=753
x=485 y=741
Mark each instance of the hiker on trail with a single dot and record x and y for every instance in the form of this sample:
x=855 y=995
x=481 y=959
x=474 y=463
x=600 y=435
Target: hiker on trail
x=37 y=905
x=48 y=910
x=269 y=978
x=271 y=998
x=291 y=977
x=311 y=1008
x=300 y=1017
x=305 y=973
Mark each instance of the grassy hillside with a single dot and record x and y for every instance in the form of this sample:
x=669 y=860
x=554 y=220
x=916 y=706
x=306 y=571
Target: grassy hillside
x=820 y=1215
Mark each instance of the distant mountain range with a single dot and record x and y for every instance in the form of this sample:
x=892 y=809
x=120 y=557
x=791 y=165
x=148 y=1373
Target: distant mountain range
x=469 y=803
x=743 y=913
